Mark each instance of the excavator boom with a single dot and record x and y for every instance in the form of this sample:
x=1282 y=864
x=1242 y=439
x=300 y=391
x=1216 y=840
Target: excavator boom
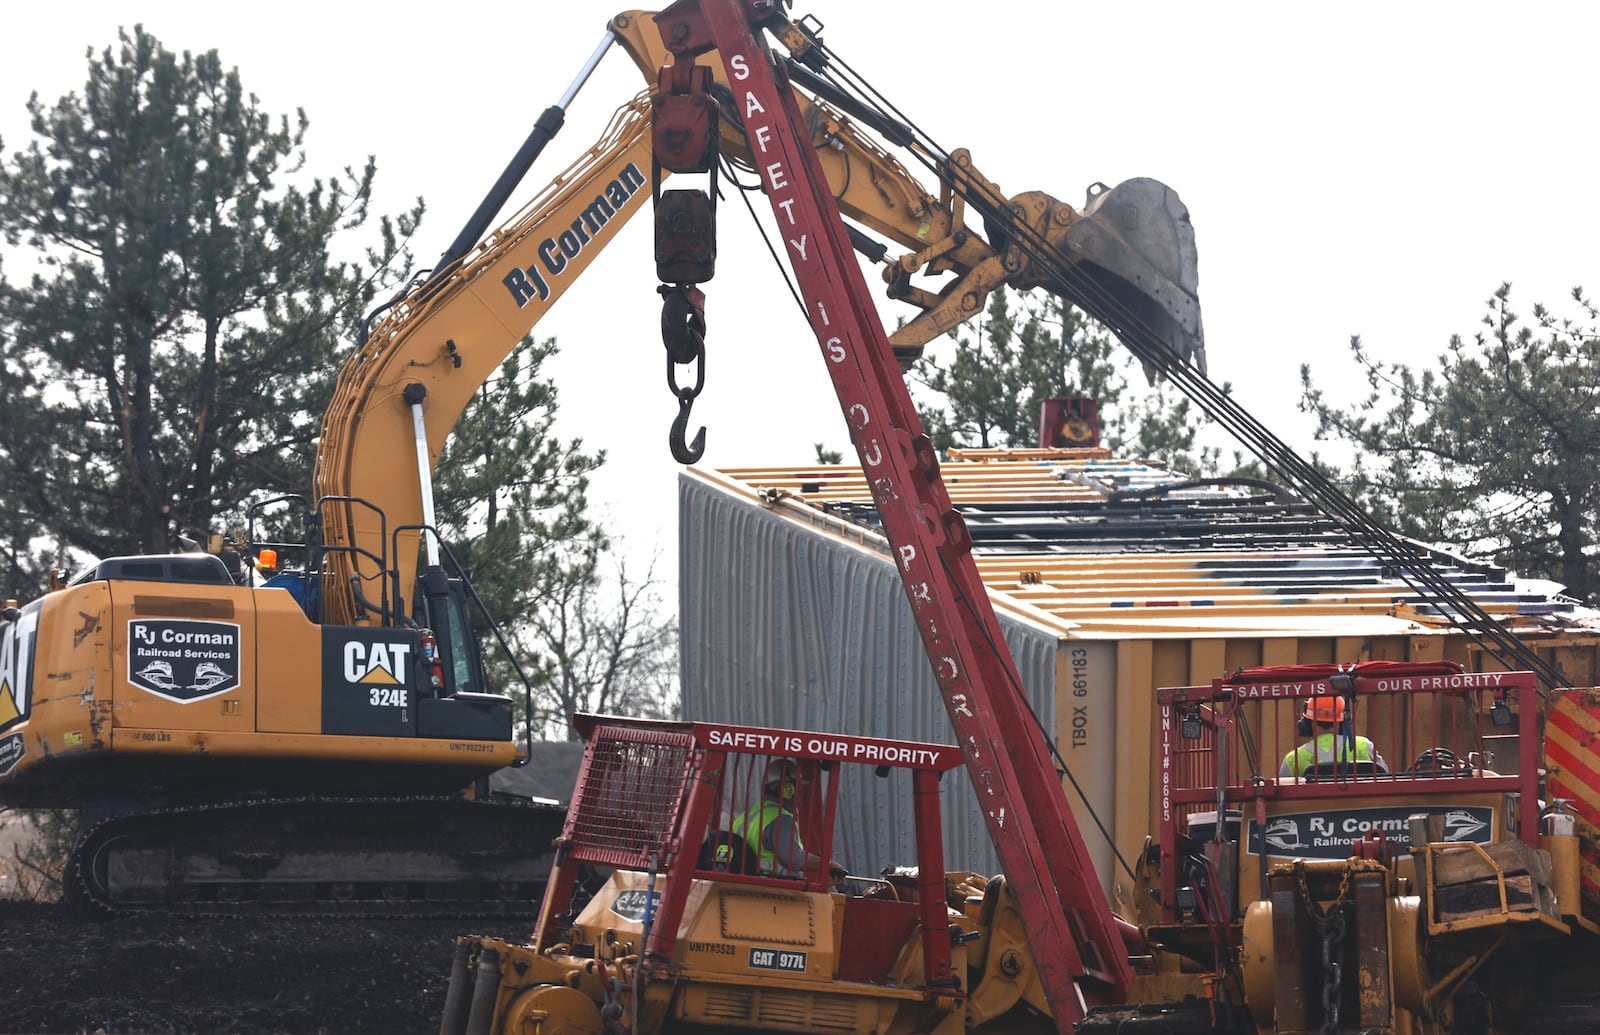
x=447 y=337
x=1133 y=242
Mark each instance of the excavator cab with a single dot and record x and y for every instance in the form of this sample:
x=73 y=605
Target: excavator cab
x=449 y=619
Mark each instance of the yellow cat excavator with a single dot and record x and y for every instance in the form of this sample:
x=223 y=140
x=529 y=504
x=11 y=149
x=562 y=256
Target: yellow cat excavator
x=305 y=725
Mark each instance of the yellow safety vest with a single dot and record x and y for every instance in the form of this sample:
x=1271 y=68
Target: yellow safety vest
x=757 y=819
x=1326 y=747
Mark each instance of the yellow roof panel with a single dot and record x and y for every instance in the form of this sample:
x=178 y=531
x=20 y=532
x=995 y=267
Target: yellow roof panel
x=1101 y=544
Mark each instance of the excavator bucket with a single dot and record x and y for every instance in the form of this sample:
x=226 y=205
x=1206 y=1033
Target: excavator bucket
x=1135 y=244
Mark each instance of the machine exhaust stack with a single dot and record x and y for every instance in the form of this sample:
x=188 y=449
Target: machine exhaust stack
x=1069 y=422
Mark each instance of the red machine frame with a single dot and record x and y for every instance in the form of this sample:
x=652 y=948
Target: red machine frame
x=1077 y=945
x=647 y=798
x=1188 y=775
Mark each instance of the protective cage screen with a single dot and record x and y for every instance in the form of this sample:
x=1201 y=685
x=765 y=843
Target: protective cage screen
x=628 y=794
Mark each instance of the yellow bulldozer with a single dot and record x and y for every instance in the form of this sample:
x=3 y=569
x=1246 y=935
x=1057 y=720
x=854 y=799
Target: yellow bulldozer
x=694 y=889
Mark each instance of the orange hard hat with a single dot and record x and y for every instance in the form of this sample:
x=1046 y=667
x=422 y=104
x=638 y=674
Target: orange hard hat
x=1325 y=709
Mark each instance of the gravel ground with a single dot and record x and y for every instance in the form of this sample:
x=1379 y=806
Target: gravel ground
x=64 y=974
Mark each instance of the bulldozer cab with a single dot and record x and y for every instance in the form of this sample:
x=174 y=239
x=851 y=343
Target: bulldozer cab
x=1278 y=765
x=710 y=847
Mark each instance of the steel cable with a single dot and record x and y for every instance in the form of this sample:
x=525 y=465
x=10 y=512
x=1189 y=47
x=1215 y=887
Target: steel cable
x=1408 y=560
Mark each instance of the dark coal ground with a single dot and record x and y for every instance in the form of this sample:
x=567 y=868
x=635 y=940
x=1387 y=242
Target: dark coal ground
x=67 y=974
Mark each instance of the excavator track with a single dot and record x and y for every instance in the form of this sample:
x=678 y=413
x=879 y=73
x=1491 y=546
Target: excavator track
x=332 y=857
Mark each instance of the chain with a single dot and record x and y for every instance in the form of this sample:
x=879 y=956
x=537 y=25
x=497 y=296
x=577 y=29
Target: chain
x=1321 y=914
x=683 y=331
x=1330 y=922
x=1332 y=938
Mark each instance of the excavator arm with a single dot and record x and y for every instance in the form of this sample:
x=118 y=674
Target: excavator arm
x=411 y=379
x=1134 y=241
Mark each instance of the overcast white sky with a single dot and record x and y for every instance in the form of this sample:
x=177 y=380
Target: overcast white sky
x=1361 y=167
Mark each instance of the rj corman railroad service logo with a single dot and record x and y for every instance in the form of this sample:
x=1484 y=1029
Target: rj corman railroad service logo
x=633 y=903
x=1334 y=833
x=11 y=749
x=183 y=661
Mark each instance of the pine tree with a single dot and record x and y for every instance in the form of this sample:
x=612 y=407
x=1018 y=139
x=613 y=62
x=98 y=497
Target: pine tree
x=989 y=393
x=1493 y=451
x=173 y=342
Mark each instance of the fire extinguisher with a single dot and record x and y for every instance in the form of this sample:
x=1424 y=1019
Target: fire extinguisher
x=430 y=662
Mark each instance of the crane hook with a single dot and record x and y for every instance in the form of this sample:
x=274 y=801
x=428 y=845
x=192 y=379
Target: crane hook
x=683 y=331
x=691 y=452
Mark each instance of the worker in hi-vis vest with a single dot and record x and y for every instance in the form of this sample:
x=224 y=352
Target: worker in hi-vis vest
x=1321 y=721
x=769 y=829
